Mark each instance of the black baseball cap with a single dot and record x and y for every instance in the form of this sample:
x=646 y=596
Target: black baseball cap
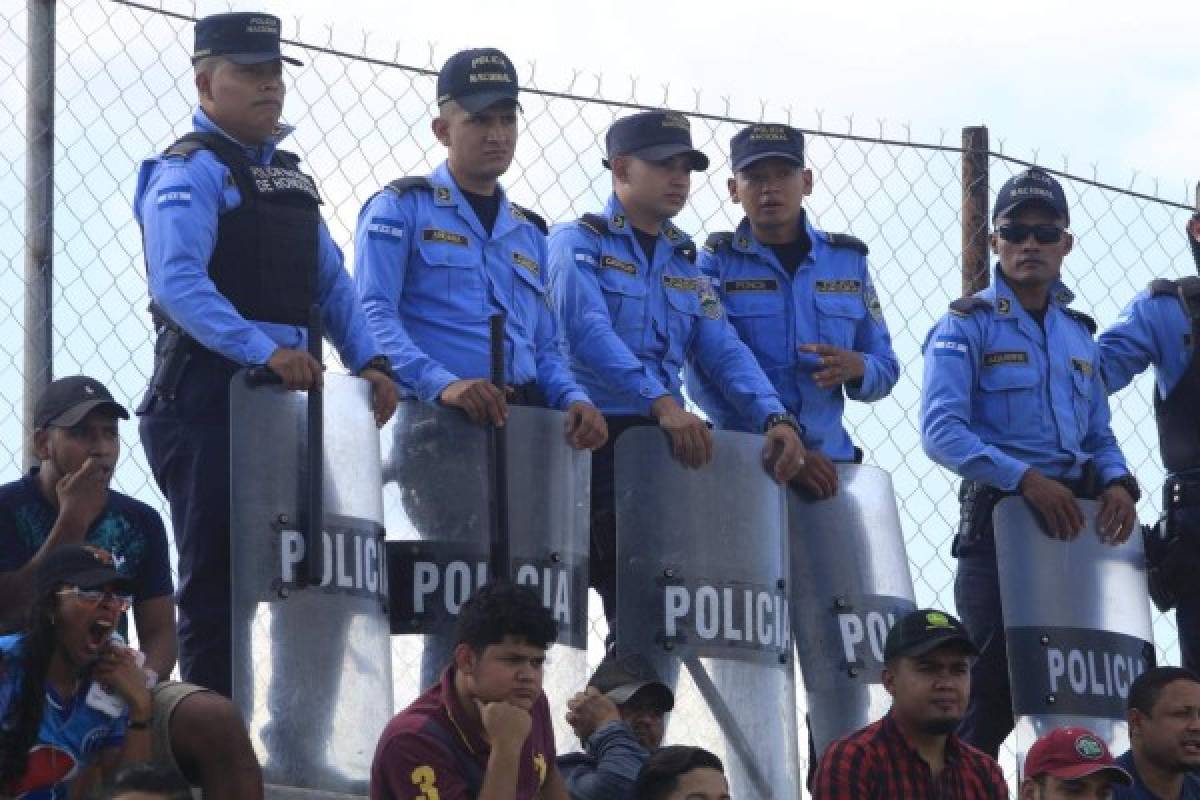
x=477 y=79
x=1031 y=186
x=244 y=37
x=918 y=632
x=621 y=678
x=68 y=400
x=763 y=140
x=653 y=136
x=76 y=565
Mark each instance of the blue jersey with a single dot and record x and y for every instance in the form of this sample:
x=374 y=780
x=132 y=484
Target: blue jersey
x=430 y=275
x=829 y=300
x=177 y=202
x=631 y=324
x=70 y=736
x=1153 y=330
x=1004 y=393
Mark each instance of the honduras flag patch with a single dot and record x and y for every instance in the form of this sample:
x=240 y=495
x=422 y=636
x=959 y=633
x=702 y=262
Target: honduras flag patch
x=950 y=346
x=173 y=196
x=382 y=228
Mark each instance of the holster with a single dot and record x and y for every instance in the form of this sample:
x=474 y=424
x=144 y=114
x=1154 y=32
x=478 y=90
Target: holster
x=976 y=501
x=1172 y=546
x=173 y=350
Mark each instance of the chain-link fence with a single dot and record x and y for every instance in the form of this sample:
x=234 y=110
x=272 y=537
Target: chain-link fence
x=124 y=90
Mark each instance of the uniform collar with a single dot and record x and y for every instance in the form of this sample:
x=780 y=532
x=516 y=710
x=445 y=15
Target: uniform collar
x=618 y=223
x=1006 y=303
x=447 y=194
x=744 y=240
x=261 y=153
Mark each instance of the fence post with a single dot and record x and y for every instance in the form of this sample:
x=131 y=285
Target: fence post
x=975 y=259
x=39 y=209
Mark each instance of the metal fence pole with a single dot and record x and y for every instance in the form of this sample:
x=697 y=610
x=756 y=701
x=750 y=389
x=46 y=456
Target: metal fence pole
x=974 y=209
x=39 y=207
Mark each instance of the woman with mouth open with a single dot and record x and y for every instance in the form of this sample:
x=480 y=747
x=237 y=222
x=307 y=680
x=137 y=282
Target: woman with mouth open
x=54 y=740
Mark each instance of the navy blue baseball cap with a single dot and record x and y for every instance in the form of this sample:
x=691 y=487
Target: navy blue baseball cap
x=1031 y=186
x=477 y=79
x=763 y=140
x=243 y=37
x=653 y=136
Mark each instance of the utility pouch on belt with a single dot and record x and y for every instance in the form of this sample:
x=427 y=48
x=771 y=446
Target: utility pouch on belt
x=976 y=501
x=1173 y=545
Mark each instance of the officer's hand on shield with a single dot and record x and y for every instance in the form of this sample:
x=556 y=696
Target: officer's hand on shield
x=838 y=366
x=1055 y=503
x=296 y=368
x=691 y=440
x=589 y=711
x=506 y=725
x=1118 y=514
x=818 y=477
x=783 y=452
x=384 y=395
x=480 y=398
x=586 y=428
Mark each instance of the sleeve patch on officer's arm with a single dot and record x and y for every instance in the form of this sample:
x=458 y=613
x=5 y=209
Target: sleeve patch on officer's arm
x=950 y=346
x=1002 y=357
x=710 y=304
x=173 y=196
x=385 y=229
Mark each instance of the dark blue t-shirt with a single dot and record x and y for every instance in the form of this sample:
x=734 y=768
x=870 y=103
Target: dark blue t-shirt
x=1138 y=791
x=129 y=529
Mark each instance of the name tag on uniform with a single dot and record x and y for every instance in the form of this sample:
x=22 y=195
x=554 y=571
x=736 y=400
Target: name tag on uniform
x=608 y=262
x=384 y=228
x=752 y=285
x=673 y=282
x=526 y=263
x=839 y=287
x=1002 y=357
x=439 y=235
x=1081 y=366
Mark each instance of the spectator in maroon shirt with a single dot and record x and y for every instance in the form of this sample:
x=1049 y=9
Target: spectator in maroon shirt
x=912 y=752
x=1069 y=763
x=484 y=732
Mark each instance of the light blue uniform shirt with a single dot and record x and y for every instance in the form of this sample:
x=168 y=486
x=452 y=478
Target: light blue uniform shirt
x=1150 y=331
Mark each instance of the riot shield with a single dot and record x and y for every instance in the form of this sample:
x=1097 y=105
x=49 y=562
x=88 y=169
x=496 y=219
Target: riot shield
x=702 y=585
x=436 y=508
x=311 y=665
x=849 y=583
x=1077 y=622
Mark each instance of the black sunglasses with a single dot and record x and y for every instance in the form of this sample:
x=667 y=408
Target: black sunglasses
x=1017 y=233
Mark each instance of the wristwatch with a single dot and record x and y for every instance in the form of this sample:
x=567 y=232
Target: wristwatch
x=783 y=419
x=1130 y=485
x=382 y=364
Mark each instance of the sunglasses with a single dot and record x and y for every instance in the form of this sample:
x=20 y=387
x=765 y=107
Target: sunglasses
x=1017 y=233
x=91 y=598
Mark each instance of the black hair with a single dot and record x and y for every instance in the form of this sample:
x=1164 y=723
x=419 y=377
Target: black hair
x=149 y=777
x=1147 y=687
x=659 y=776
x=19 y=728
x=502 y=609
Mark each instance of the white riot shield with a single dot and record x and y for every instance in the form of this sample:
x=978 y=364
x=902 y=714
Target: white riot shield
x=702 y=585
x=849 y=584
x=311 y=665
x=1077 y=623
x=436 y=506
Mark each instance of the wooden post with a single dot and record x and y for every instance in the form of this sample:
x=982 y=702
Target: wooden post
x=975 y=271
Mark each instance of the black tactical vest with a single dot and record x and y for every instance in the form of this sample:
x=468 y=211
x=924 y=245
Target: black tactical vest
x=265 y=259
x=1178 y=414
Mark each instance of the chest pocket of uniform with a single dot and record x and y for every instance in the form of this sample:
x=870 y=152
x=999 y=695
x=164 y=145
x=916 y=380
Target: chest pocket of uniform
x=760 y=319
x=1007 y=395
x=683 y=312
x=625 y=296
x=1082 y=375
x=528 y=289
x=838 y=315
x=452 y=274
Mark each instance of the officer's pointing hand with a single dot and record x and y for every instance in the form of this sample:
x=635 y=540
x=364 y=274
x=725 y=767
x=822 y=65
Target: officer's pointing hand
x=296 y=368
x=384 y=395
x=783 y=452
x=691 y=440
x=586 y=428
x=818 y=476
x=838 y=366
x=480 y=398
x=1054 y=502
x=1118 y=514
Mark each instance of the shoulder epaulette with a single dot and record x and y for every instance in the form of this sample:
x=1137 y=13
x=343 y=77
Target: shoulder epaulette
x=848 y=242
x=287 y=159
x=1163 y=286
x=533 y=217
x=1086 y=319
x=402 y=185
x=715 y=241
x=687 y=250
x=964 y=306
x=595 y=223
x=190 y=143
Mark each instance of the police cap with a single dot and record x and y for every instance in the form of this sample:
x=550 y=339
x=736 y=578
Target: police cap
x=763 y=140
x=477 y=79
x=653 y=136
x=243 y=37
x=1031 y=186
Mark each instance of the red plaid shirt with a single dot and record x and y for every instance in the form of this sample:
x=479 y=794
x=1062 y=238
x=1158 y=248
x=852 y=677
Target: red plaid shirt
x=878 y=763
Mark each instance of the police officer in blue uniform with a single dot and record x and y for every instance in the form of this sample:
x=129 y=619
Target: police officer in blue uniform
x=1159 y=327
x=635 y=309
x=1014 y=402
x=801 y=299
x=236 y=254
x=436 y=256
